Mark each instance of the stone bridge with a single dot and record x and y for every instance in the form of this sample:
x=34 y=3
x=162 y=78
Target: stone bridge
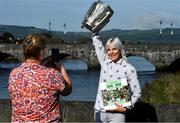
x=161 y=56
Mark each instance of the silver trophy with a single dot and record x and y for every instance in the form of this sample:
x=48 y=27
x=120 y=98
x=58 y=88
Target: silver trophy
x=97 y=16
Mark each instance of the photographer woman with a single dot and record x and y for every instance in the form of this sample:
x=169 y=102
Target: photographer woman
x=35 y=89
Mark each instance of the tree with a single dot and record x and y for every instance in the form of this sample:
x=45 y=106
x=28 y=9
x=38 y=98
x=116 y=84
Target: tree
x=8 y=37
x=83 y=40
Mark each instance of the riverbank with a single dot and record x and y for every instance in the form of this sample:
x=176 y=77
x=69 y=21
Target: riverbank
x=82 y=111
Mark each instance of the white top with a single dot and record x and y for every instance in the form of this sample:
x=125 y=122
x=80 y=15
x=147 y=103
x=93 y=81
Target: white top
x=114 y=71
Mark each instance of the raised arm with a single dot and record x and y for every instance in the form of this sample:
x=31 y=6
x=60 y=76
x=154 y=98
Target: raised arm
x=68 y=83
x=99 y=48
x=59 y=66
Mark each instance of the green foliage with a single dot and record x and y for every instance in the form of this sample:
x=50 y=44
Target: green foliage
x=128 y=36
x=165 y=90
x=48 y=35
x=83 y=40
x=144 y=36
x=8 y=37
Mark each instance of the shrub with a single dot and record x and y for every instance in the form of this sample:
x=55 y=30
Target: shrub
x=164 y=90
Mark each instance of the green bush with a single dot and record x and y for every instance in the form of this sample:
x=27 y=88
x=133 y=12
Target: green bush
x=164 y=90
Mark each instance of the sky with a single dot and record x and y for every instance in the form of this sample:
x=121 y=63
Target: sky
x=128 y=14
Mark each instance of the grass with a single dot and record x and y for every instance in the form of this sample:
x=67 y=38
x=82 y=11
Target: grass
x=164 y=90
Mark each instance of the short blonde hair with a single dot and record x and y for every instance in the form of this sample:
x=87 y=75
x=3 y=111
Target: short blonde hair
x=118 y=44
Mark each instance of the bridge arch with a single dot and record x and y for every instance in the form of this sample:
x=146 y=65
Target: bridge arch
x=67 y=60
x=8 y=57
x=174 y=66
x=141 y=64
x=142 y=56
x=58 y=56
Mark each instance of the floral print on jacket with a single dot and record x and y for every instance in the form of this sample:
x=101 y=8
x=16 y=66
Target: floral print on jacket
x=34 y=91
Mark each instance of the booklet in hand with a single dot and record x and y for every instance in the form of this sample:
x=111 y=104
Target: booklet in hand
x=115 y=92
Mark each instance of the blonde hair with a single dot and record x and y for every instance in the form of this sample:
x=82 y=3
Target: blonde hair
x=32 y=45
x=118 y=44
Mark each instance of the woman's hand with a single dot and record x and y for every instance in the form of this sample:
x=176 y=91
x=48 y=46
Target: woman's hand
x=68 y=82
x=118 y=108
x=59 y=66
x=95 y=34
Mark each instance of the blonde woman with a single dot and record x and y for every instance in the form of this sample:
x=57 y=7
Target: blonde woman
x=114 y=67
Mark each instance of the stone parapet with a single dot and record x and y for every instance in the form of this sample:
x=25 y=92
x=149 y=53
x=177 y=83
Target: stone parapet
x=82 y=111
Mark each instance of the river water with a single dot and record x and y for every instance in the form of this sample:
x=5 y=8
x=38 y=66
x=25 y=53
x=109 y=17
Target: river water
x=85 y=82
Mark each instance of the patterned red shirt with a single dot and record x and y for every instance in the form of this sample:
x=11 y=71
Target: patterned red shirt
x=34 y=91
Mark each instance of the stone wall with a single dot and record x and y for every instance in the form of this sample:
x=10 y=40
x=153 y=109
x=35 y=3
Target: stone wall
x=82 y=111
x=73 y=111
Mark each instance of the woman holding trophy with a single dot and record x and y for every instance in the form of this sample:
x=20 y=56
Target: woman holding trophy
x=119 y=88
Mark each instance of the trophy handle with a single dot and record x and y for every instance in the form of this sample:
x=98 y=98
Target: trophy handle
x=88 y=13
x=103 y=22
